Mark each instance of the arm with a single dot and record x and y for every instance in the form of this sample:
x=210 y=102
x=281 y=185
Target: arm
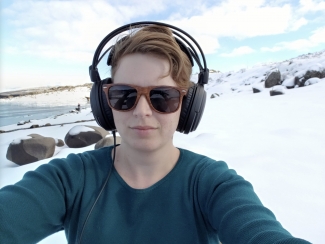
x=36 y=206
x=233 y=209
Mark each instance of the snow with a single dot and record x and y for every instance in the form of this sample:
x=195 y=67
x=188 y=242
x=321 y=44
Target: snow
x=278 y=89
x=275 y=142
x=311 y=81
x=289 y=81
x=78 y=129
x=18 y=140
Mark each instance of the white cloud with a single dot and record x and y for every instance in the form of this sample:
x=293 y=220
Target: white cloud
x=311 y=6
x=317 y=38
x=238 y=52
x=68 y=29
x=72 y=29
x=239 y=19
x=298 y=23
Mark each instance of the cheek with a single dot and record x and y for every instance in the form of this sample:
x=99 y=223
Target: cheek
x=119 y=118
x=170 y=121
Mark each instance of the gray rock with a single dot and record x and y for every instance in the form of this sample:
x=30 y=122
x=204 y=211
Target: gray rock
x=107 y=141
x=300 y=81
x=273 y=79
x=23 y=122
x=30 y=149
x=275 y=93
x=255 y=90
x=59 y=143
x=84 y=135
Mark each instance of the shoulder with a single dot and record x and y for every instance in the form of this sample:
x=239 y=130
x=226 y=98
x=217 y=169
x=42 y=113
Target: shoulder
x=207 y=172
x=201 y=162
x=78 y=165
x=85 y=158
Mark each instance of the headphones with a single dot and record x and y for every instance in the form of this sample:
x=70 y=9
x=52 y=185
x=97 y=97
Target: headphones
x=193 y=102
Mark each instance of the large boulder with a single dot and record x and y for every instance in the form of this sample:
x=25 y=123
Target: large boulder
x=300 y=81
x=84 y=135
x=31 y=148
x=273 y=79
x=107 y=141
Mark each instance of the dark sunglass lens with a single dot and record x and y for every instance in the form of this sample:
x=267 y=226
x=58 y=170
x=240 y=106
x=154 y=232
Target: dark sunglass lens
x=122 y=97
x=165 y=99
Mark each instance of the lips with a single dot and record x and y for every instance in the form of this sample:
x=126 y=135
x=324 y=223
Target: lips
x=143 y=127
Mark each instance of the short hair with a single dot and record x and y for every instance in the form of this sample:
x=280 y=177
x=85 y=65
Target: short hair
x=158 y=41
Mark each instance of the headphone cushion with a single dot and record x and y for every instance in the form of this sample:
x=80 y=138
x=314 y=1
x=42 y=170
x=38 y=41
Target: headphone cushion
x=186 y=104
x=108 y=114
x=101 y=110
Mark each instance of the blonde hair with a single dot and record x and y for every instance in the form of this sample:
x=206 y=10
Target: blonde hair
x=158 y=41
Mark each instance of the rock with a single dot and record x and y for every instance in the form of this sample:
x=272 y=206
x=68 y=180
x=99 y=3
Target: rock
x=300 y=81
x=277 y=90
x=289 y=82
x=2 y=131
x=30 y=149
x=107 y=141
x=59 y=143
x=34 y=126
x=23 y=122
x=275 y=93
x=273 y=79
x=84 y=135
x=47 y=124
x=214 y=95
x=255 y=90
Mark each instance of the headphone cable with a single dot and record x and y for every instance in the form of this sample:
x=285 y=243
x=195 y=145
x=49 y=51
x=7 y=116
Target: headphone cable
x=102 y=189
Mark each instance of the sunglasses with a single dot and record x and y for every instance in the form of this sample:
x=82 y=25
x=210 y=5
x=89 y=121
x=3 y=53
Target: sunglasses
x=162 y=99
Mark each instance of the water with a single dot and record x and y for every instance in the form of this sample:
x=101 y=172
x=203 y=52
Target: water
x=13 y=113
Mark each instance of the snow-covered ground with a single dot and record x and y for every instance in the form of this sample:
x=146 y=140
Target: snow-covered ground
x=275 y=142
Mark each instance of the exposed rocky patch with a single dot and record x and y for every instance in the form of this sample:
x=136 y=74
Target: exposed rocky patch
x=41 y=90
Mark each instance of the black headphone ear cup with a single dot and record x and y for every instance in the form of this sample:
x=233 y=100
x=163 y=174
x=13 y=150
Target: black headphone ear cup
x=192 y=109
x=184 y=111
x=102 y=112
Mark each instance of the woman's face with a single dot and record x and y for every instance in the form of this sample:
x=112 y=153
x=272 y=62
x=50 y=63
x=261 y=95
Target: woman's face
x=143 y=128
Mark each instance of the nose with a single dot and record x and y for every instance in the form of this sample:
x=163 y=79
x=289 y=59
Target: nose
x=142 y=108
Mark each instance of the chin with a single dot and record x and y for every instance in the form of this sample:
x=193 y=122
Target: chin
x=147 y=145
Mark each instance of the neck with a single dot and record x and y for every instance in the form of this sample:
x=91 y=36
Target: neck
x=141 y=169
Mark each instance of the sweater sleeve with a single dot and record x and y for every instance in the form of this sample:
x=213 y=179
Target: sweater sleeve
x=36 y=206
x=233 y=209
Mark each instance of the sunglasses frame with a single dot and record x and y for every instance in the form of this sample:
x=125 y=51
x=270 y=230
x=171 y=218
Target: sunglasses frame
x=146 y=92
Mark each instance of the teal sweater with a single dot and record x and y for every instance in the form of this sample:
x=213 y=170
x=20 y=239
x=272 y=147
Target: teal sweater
x=199 y=201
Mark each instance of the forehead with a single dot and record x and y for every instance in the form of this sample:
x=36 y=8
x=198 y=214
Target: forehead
x=143 y=70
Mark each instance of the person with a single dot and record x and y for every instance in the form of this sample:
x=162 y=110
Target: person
x=144 y=190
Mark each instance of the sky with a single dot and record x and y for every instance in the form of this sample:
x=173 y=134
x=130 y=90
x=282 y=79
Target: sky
x=50 y=43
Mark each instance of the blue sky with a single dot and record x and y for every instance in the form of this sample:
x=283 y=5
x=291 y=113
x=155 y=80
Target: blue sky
x=47 y=43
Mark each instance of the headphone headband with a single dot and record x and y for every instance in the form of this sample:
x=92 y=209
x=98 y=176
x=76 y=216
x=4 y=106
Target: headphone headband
x=93 y=71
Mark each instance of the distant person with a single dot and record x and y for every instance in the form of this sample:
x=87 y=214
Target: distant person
x=78 y=108
x=144 y=190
